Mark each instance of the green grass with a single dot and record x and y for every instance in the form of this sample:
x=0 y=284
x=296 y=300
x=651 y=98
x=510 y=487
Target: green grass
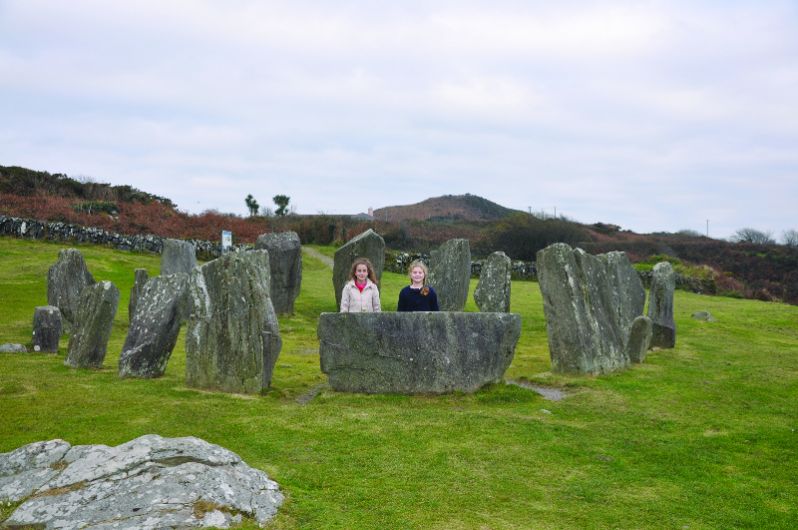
x=701 y=436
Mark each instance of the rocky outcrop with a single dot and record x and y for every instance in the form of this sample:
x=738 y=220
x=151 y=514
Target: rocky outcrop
x=178 y=257
x=493 y=289
x=590 y=304
x=450 y=274
x=154 y=327
x=285 y=263
x=233 y=338
x=660 y=305
x=65 y=281
x=411 y=353
x=94 y=320
x=47 y=328
x=369 y=245
x=140 y=278
x=150 y=482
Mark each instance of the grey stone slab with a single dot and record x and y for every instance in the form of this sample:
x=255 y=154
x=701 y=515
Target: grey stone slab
x=417 y=352
x=177 y=256
x=47 y=329
x=93 y=323
x=660 y=305
x=140 y=278
x=450 y=273
x=369 y=245
x=285 y=263
x=493 y=289
x=65 y=281
x=233 y=337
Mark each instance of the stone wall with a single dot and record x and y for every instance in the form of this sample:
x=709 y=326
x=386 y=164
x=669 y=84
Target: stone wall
x=57 y=231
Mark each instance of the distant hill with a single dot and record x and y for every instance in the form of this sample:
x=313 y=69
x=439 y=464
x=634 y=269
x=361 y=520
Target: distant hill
x=446 y=208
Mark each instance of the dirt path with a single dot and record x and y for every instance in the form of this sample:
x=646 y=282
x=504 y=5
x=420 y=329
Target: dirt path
x=312 y=252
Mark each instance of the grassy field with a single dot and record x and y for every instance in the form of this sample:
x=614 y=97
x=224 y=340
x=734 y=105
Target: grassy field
x=701 y=436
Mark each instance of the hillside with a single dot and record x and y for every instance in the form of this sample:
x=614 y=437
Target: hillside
x=446 y=208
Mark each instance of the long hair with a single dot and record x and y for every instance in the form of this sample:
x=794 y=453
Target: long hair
x=369 y=268
x=421 y=265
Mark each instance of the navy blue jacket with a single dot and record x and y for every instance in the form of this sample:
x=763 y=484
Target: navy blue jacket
x=412 y=300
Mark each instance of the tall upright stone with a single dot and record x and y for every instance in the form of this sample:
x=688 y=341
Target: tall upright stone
x=47 y=329
x=493 y=289
x=625 y=288
x=140 y=277
x=639 y=339
x=65 y=281
x=93 y=322
x=285 y=263
x=369 y=245
x=450 y=274
x=660 y=305
x=178 y=256
x=584 y=332
x=233 y=338
x=154 y=327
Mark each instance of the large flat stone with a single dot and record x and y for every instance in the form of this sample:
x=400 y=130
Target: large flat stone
x=150 y=482
x=410 y=353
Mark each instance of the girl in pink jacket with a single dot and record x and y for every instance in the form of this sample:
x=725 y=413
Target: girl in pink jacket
x=360 y=294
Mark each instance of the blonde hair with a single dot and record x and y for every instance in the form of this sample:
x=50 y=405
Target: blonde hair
x=369 y=268
x=421 y=265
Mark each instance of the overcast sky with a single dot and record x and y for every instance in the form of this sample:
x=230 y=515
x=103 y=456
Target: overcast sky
x=656 y=116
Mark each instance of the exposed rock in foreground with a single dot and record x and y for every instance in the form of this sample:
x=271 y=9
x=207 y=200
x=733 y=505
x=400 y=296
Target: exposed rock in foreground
x=410 y=353
x=149 y=482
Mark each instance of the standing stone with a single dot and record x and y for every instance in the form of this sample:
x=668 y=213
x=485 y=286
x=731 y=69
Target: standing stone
x=639 y=339
x=93 y=323
x=660 y=305
x=65 y=281
x=493 y=289
x=585 y=335
x=233 y=339
x=154 y=327
x=177 y=256
x=47 y=328
x=450 y=274
x=139 y=279
x=626 y=289
x=285 y=263
x=369 y=245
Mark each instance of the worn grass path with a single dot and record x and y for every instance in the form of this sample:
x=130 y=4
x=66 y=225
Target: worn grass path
x=701 y=436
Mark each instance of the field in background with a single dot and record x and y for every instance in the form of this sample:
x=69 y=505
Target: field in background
x=701 y=436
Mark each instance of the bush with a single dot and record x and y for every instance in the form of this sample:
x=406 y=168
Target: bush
x=521 y=235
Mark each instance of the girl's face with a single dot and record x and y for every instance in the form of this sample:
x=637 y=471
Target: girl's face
x=361 y=273
x=417 y=275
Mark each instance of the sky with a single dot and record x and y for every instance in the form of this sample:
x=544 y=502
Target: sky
x=655 y=116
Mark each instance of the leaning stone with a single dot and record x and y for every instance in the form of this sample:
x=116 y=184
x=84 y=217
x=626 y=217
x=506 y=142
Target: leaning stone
x=177 y=256
x=626 y=289
x=65 y=281
x=94 y=320
x=584 y=331
x=140 y=277
x=493 y=290
x=706 y=316
x=410 y=353
x=660 y=305
x=639 y=339
x=233 y=338
x=154 y=327
x=285 y=263
x=150 y=482
x=450 y=274
x=12 y=348
x=47 y=328
x=369 y=245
